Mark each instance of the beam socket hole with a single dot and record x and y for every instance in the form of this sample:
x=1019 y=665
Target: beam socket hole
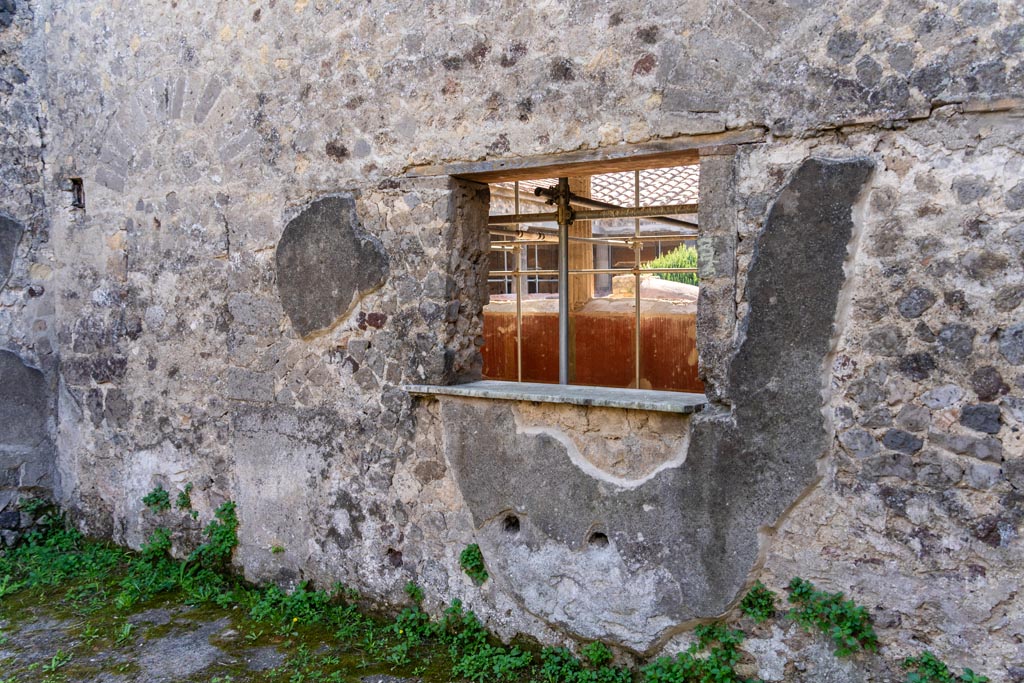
x=511 y=525
x=598 y=539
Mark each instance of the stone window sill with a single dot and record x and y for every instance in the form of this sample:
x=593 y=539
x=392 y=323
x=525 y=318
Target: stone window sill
x=630 y=399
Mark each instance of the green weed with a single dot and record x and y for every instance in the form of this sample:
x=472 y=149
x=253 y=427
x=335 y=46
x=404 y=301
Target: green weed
x=927 y=668
x=472 y=562
x=848 y=624
x=758 y=603
x=157 y=500
x=414 y=592
x=124 y=634
x=712 y=659
x=57 y=661
x=184 y=499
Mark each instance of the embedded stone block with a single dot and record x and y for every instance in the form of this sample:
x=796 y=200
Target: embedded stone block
x=10 y=236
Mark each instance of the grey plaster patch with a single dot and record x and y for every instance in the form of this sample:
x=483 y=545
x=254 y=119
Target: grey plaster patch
x=674 y=551
x=325 y=263
x=10 y=236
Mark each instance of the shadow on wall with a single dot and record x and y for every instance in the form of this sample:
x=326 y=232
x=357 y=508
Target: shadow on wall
x=26 y=450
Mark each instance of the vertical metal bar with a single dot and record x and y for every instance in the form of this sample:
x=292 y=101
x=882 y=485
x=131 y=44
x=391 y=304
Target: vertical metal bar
x=519 y=303
x=563 y=280
x=637 y=254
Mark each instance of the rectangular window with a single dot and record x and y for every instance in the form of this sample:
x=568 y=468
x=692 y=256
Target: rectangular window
x=593 y=280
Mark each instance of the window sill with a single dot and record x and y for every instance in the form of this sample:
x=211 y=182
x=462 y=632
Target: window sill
x=605 y=397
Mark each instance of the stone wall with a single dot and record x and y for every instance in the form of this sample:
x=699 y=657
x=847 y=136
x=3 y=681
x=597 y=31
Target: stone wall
x=859 y=321
x=28 y=344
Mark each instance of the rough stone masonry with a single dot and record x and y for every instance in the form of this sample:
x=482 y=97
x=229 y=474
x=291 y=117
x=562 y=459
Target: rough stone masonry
x=270 y=250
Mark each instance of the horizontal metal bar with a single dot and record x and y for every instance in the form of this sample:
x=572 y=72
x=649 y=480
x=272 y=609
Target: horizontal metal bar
x=516 y=218
x=635 y=212
x=596 y=204
x=595 y=271
x=596 y=214
x=524 y=235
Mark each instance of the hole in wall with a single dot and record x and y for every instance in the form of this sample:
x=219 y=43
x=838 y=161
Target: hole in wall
x=511 y=525
x=77 y=189
x=598 y=539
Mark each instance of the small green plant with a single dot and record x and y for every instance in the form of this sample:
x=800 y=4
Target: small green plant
x=157 y=500
x=597 y=654
x=184 y=499
x=222 y=537
x=683 y=256
x=90 y=634
x=276 y=549
x=927 y=668
x=58 y=660
x=8 y=585
x=472 y=562
x=124 y=633
x=758 y=603
x=712 y=659
x=848 y=624
x=414 y=592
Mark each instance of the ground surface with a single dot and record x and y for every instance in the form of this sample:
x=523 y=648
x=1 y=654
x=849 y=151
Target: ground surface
x=42 y=638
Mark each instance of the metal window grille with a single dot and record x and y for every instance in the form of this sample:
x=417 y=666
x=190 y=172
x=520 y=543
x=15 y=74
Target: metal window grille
x=515 y=234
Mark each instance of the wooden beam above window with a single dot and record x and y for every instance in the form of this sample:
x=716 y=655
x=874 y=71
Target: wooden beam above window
x=659 y=154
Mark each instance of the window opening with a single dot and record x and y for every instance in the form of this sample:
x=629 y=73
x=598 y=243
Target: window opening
x=568 y=257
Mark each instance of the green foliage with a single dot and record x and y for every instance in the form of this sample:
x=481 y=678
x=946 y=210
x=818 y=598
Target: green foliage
x=712 y=659
x=927 y=668
x=683 y=256
x=58 y=660
x=157 y=500
x=558 y=665
x=54 y=555
x=34 y=507
x=184 y=499
x=222 y=537
x=848 y=624
x=473 y=656
x=472 y=562
x=758 y=603
x=414 y=592
x=597 y=654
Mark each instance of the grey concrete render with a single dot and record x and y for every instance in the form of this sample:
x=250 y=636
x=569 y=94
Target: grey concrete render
x=630 y=399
